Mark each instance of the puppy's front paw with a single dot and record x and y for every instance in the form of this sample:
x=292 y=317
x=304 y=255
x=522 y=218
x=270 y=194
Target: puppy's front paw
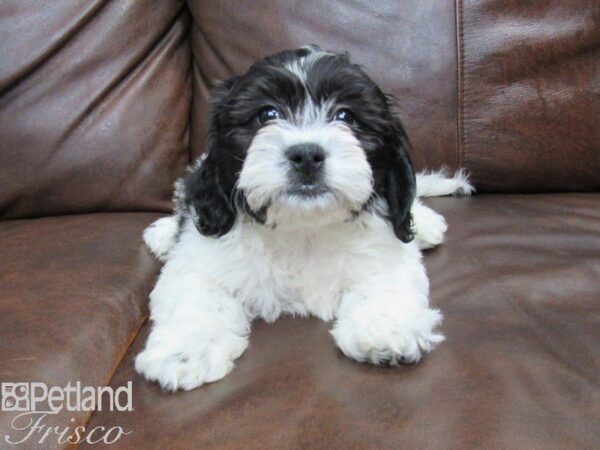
x=388 y=338
x=190 y=365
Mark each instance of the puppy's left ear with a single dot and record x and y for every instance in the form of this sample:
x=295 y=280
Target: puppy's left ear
x=400 y=185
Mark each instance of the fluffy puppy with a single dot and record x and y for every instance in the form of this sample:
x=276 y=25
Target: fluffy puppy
x=304 y=203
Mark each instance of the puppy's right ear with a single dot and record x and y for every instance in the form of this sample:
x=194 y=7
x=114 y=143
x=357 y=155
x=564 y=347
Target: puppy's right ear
x=209 y=190
x=209 y=199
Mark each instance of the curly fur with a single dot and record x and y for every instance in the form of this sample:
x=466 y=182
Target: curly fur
x=334 y=231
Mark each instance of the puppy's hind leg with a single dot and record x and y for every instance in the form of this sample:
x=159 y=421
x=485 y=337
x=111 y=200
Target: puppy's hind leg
x=429 y=227
x=437 y=184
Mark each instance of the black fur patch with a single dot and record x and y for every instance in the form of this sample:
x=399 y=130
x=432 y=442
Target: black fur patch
x=211 y=189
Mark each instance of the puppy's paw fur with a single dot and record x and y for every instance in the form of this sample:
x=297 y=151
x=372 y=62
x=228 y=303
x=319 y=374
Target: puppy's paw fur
x=388 y=339
x=191 y=364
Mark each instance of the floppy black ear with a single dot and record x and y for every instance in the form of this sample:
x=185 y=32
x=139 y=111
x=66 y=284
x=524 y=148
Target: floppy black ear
x=210 y=188
x=211 y=199
x=400 y=186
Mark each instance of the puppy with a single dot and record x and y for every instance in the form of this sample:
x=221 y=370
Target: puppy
x=304 y=203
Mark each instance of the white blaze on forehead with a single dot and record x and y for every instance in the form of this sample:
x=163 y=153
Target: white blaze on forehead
x=310 y=111
x=311 y=115
x=302 y=65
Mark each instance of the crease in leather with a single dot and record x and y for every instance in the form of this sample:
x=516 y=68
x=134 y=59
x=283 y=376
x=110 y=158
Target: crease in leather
x=139 y=64
x=68 y=35
x=121 y=138
x=203 y=86
x=145 y=67
x=147 y=288
x=192 y=62
x=187 y=137
x=119 y=360
x=540 y=334
x=213 y=48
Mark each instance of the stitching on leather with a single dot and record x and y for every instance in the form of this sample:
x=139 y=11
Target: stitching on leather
x=460 y=61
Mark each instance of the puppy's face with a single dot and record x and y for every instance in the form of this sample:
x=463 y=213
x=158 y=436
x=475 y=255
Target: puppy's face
x=304 y=138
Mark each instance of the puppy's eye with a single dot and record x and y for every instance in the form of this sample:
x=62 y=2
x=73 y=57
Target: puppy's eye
x=344 y=115
x=268 y=113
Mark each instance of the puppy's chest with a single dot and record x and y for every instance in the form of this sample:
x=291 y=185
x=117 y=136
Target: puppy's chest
x=307 y=275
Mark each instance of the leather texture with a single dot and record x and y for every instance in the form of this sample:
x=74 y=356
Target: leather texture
x=517 y=281
x=73 y=294
x=94 y=105
x=104 y=102
x=507 y=89
x=408 y=47
x=529 y=94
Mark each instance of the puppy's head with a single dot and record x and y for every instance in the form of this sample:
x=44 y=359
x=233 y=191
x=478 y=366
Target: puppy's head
x=304 y=138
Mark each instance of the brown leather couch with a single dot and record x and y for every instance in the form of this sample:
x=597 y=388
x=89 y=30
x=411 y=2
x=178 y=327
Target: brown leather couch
x=102 y=105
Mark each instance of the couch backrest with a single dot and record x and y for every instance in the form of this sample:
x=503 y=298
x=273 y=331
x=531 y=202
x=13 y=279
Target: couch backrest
x=529 y=94
x=508 y=89
x=94 y=105
x=407 y=47
x=95 y=97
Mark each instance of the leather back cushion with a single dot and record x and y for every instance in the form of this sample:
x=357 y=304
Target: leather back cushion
x=530 y=94
x=408 y=47
x=506 y=88
x=94 y=105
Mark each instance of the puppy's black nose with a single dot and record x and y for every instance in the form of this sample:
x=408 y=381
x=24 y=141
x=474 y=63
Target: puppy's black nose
x=306 y=158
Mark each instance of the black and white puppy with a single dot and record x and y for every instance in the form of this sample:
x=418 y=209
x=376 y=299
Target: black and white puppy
x=304 y=203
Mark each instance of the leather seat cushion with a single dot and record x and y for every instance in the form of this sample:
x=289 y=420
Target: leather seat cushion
x=73 y=294
x=517 y=281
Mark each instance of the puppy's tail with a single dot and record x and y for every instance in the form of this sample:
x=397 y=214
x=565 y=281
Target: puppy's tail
x=161 y=236
x=437 y=184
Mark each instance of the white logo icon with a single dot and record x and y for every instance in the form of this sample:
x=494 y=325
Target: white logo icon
x=15 y=397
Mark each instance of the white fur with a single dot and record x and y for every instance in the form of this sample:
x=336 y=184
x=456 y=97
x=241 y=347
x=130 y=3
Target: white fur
x=430 y=226
x=300 y=67
x=436 y=184
x=160 y=236
x=356 y=272
x=264 y=176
